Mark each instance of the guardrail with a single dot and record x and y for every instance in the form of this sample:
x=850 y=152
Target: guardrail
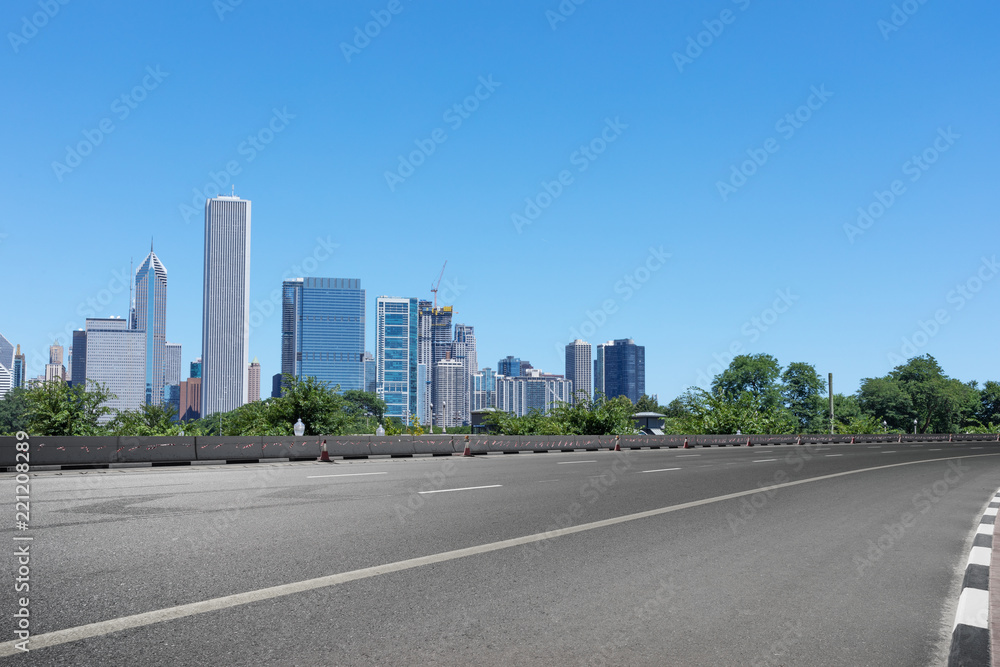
x=70 y=452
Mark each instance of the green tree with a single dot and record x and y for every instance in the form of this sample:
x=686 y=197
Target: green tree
x=802 y=391
x=605 y=416
x=55 y=408
x=753 y=373
x=715 y=413
x=988 y=410
x=648 y=404
x=13 y=412
x=147 y=420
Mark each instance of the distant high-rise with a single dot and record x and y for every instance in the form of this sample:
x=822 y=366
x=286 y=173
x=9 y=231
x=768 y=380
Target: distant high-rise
x=20 y=368
x=371 y=376
x=56 y=354
x=396 y=356
x=195 y=371
x=150 y=317
x=625 y=369
x=6 y=366
x=509 y=367
x=55 y=370
x=521 y=395
x=253 y=381
x=463 y=350
x=578 y=368
x=189 y=399
x=116 y=358
x=173 y=364
x=599 y=369
x=484 y=389
x=276 y=385
x=449 y=392
x=225 y=323
x=323 y=331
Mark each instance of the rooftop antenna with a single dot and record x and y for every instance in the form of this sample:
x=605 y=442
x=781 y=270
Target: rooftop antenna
x=234 y=189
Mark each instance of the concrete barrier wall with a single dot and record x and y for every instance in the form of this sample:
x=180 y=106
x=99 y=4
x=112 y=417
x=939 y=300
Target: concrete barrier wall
x=103 y=451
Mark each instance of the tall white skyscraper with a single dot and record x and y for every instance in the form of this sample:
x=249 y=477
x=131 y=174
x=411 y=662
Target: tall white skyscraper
x=225 y=321
x=6 y=366
x=449 y=392
x=578 y=368
x=463 y=350
x=151 y=319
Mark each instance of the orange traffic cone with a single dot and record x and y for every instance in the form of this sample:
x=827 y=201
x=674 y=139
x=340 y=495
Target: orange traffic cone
x=748 y=443
x=323 y=454
x=852 y=439
x=618 y=445
x=468 y=448
x=799 y=441
x=686 y=445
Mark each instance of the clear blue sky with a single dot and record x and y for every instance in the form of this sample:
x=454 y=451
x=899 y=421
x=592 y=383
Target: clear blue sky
x=678 y=126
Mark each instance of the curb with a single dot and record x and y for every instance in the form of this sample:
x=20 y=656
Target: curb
x=970 y=638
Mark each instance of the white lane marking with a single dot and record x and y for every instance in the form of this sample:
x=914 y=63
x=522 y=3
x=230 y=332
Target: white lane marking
x=934 y=450
x=875 y=447
x=764 y=460
x=99 y=628
x=547 y=480
x=566 y=463
x=975 y=447
x=350 y=474
x=467 y=488
x=973 y=608
x=891 y=451
x=681 y=455
x=828 y=455
x=660 y=470
x=980 y=556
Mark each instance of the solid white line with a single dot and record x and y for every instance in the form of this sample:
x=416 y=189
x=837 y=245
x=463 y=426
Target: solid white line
x=660 y=470
x=892 y=451
x=875 y=447
x=680 y=455
x=566 y=463
x=99 y=628
x=467 y=488
x=547 y=480
x=350 y=474
x=834 y=455
x=975 y=447
x=973 y=608
x=763 y=460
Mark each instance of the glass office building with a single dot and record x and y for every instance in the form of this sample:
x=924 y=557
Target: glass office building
x=396 y=356
x=323 y=331
x=624 y=369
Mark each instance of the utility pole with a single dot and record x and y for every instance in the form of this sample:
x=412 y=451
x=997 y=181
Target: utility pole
x=830 y=383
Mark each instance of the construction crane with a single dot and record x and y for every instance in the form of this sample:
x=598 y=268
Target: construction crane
x=434 y=288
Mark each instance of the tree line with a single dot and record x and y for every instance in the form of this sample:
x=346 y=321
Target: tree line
x=754 y=394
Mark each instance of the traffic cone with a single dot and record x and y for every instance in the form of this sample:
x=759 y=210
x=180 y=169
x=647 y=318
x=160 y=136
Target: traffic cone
x=799 y=441
x=686 y=445
x=748 y=443
x=323 y=454
x=900 y=437
x=618 y=446
x=468 y=447
x=950 y=437
x=852 y=439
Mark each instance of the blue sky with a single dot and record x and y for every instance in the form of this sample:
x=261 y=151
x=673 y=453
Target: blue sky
x=664 y=120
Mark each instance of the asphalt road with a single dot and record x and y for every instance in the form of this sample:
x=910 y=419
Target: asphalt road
x=850 y=559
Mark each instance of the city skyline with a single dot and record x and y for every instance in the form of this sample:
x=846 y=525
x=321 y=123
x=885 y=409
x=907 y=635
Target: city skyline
x=701 y=200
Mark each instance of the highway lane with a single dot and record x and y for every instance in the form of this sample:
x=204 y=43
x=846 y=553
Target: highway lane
x=793 y=575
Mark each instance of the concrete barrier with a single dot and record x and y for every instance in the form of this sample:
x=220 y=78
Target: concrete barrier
x=396 y=445
x=214 y=448
x=351 y=446
x=73 y=451
x=439 y=445
x=167 y=449
x=274 y=447
x=507 y=444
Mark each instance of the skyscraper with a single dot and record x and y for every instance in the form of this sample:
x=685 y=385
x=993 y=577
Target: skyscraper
x=6 y=366
x=624 y=369
x=484 y=389
x=578 y=368
x=55 y=370
x=195 y=371
x=509 y=367
x=253 y=381
x=151 y=319
x=323 y=331
x=116 y=357
x=396 y=356
x=225 y=322
x=463 y=350
x=521 y=395
x=371 y=376
x=449 y=393
x=20 y=368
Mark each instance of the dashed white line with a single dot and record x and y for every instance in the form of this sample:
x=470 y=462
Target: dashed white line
x=764 y=460
x=829 y=455
x=566 y=463
x=682 y=455
x=660 y=470
x=467 y=488
x=351 y=474
x=891 y=451
x=934 y=450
